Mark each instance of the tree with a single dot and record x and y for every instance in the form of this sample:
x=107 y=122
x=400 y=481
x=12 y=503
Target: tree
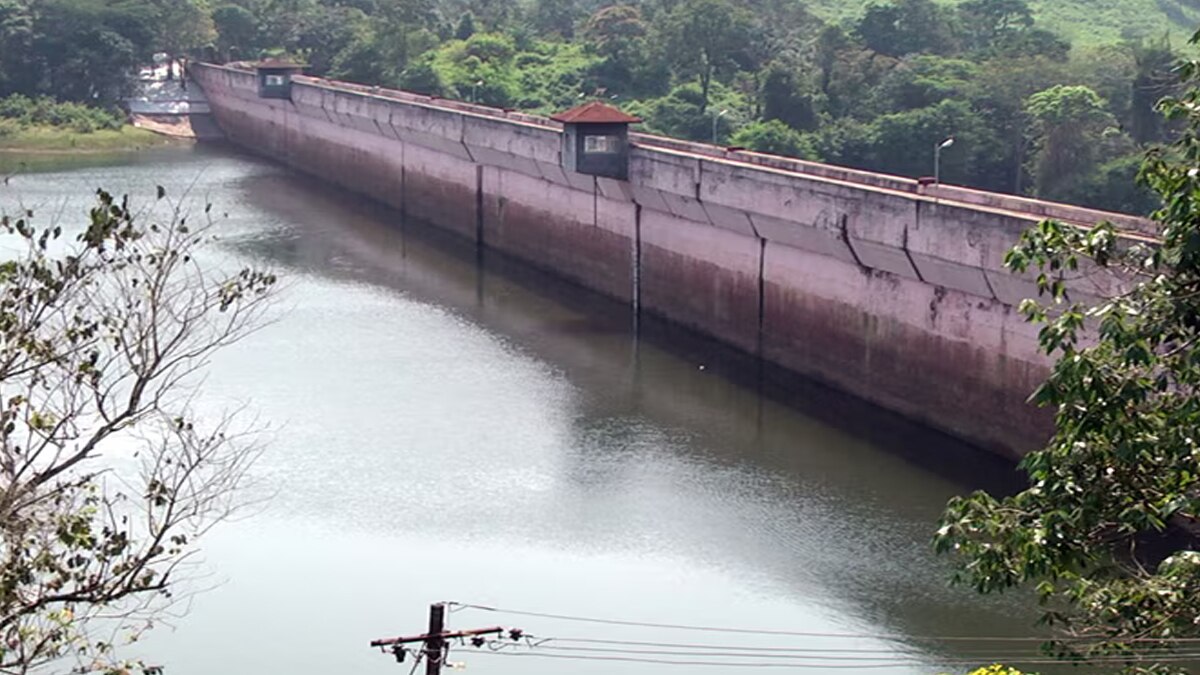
x=986 y=22
x=924 y=80
x=332 y=31
x=847 y=71
x=236 y=27
x=16 y=38
x=785 y=99
x=1113 y=186
x=107 y=478
x=556 y=17
x=906 y=27
x=999 y=92
x=76 y=50
x=705 y=38
x=1067 y=121
x=681 y=113
x=776 y=138
x=903 y=143
x=182 y=25
x=1153 y=82
x=1107 y=531
x=617 y=34
x=466 y=27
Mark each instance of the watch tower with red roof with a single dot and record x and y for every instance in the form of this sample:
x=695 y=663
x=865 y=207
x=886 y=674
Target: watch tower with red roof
x=596 y=140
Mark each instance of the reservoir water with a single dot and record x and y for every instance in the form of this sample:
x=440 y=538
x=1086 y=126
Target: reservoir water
x=447 y=425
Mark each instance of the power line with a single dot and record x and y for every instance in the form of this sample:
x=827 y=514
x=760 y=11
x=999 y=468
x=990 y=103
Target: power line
x=828 y=664
x=699 y=649
x=436 y=646
x=812 y=634
x=836 y=654
x=881 y=656
x=743 y=648
x=726 y=664
x=742 y=631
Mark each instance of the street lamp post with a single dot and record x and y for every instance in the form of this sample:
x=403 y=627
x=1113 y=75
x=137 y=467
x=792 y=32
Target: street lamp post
x=716 y=118
x=475 y=90
x=937 y=159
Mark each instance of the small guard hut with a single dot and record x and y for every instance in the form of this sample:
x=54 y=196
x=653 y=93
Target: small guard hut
x=275 y=78
x=596 y=140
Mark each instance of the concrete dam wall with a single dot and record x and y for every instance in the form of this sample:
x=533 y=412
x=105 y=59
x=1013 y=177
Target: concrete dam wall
x=883 y=287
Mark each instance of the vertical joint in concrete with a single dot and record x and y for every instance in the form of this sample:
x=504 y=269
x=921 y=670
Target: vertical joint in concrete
x=403 y=183
x=844 y=228
x=637 y=263
x=479 y=205
x=908 y=254
x=762 y=295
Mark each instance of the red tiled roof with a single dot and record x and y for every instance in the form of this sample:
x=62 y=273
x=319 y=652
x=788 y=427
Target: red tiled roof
x=596 y=112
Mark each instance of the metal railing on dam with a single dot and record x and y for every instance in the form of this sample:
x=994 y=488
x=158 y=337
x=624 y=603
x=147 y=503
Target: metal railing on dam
x=880 y=285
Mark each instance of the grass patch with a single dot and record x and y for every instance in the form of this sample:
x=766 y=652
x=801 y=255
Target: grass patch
x=41 y=138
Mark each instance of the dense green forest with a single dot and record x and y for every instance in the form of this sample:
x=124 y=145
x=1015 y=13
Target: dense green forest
x=874 y=84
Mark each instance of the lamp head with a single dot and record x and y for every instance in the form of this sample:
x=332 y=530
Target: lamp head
x=947 y=143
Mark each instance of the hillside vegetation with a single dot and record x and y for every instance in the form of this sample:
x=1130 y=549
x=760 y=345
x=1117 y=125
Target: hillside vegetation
x=1050 y=98
x=1084 y=22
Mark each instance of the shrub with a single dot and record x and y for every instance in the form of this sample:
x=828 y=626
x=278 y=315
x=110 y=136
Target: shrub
x=45 y=111
x=776 y=138
x=8 y=127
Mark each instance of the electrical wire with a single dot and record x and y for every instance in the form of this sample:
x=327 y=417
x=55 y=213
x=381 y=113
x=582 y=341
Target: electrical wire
x=724 y=664
x=768 y=631
x=839 y=655
x=821 y=665
x=895 y=659
x=416 y=662
x=744 y=648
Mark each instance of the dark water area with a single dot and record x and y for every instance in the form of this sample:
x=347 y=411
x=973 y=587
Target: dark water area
x=450 y=425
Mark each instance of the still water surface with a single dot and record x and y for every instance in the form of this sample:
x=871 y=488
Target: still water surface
x=447 y=427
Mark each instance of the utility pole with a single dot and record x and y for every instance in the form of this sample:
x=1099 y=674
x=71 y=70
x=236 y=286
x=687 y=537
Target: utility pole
x=435 y=639
x=435 y=645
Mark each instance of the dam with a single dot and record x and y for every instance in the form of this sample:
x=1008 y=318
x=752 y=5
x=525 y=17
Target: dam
x=888 y=288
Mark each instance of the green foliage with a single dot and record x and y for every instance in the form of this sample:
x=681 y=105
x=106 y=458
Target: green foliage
x=555 y=17
x=236 y=26
x=904 y=142
x=1081 y=21
x=1070 y=125
x=869 y=91
x=22 y=111
x=1113 y=186
x=466 y=27
x=1106 y=531
x=182 y=25
x=903 y=27
x=776 y=138
x=925 y=80
x=707 y=38
x=683 y=113
x=78 y=50
x=617 y=34
x=786 y=99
